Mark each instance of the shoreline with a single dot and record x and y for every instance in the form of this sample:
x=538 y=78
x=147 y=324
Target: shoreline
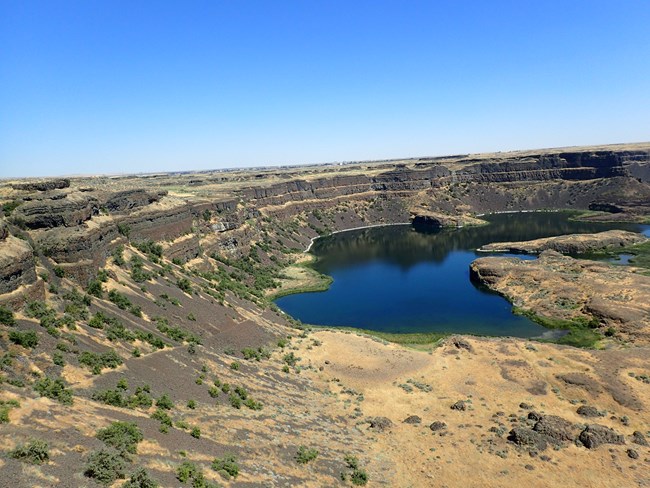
x=311 y=242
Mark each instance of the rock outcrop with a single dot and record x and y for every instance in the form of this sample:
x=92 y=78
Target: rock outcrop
x=571 y=244
x=564 y=288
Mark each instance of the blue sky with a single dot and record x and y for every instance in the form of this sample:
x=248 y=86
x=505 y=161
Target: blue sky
x=122 y=86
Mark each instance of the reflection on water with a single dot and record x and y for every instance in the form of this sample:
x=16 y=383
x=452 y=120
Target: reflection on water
x=401 y=279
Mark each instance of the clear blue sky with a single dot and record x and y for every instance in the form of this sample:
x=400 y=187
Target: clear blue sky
x=139 y=86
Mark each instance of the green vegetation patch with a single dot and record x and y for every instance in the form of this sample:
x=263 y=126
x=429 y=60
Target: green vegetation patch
x=34 y=452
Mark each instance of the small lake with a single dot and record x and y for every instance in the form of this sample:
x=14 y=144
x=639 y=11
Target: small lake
x=401 y=279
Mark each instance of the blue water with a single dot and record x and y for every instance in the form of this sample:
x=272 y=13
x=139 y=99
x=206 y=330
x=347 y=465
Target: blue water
x=400 y=279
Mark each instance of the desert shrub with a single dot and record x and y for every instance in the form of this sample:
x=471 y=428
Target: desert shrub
x=185 y=285
x=58 y=359
x=119 y=299
x=7 y=316
x=5 y=406
x=34 y=452
x=27 y=339
x=116 y=330
x=37 y=309
x=59 y=271
x=190 y=316
x=290 y=359
x=118 y=255
x=241 y=392
x=148 y=337
x=54 y=389
x=122 y=384
x=305 y=455
x=196 y=433
x=105 y=466
x=253 y=404
x=191 y=404
x=95 y=288
x=226 y=466
x=186 y=471
x=213 y=392
x=151 y=249
x=235 y=401
x=235 y=365
x=162 y=416
x=141 y=399
x=140 y=479
x=165 y=402
x=123 y=436
x=110 y=397
x=97 y=362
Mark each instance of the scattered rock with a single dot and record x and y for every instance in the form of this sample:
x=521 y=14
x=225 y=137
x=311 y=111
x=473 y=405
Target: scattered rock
x=437 y=425
x=459 y=405
x=528 y=438
x=632 y=454
x=529 y=467
x=556 y=428
x=536 y=416
x=525 y=406
x=460 y=343
x=639 y=438
x=596 y=435
x=412 y=419
x=588 y=411
x=380 y=424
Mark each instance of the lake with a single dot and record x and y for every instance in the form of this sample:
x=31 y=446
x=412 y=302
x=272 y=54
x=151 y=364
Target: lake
x=403 y=280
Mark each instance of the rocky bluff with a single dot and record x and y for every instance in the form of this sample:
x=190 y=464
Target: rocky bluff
x=75 y=224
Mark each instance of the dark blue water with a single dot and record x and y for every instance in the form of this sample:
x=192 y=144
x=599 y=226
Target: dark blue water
x=401 y=279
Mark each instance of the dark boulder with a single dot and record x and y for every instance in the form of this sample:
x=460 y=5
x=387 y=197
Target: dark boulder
x=556 y=428
x=412 y=419
x=437 y=425
x=528 y=438
x=639 y=438
x=459 y=405
x=596 y=435
x=380 y=424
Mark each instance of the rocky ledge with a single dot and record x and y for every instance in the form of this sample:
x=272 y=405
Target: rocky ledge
x=559 y=287
x=425 y=218
x=570 y=244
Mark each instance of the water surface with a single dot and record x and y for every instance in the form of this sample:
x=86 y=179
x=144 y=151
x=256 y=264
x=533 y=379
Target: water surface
x=402 y=279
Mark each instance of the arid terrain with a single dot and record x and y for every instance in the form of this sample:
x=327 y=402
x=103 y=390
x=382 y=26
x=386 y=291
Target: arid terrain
x=138 y=332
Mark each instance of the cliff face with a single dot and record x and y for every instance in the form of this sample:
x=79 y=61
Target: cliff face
x=77 y=225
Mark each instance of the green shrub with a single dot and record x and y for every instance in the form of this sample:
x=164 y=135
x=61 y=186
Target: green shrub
x=359 y=477
x=119 y=299
x=27 y=339
x=235 y=401
x=59 y=271
x=58 y=359
x=253 y=404
x=196 y=433
x=190 y=316
x=165 y=402
x=105 y=466
x=97 y=362
x=54 y=389
x=290 y=359
x=186 y=471
x=235 y=365
x=9 y=207
x=191 y=404
x=213 y=391
x=305 y=455
x=122 y=384
x=185 y=285
x=5 y=406
x=95 y=288
x=226 y=466
x=123 y=436
x=162 y=416
x=7 y=316
x=118 y=256
x=34 y=452
x=110 y=397
x=140 y=479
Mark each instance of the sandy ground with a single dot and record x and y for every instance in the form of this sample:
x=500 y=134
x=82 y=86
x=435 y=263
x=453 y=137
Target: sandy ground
x=496 y=376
